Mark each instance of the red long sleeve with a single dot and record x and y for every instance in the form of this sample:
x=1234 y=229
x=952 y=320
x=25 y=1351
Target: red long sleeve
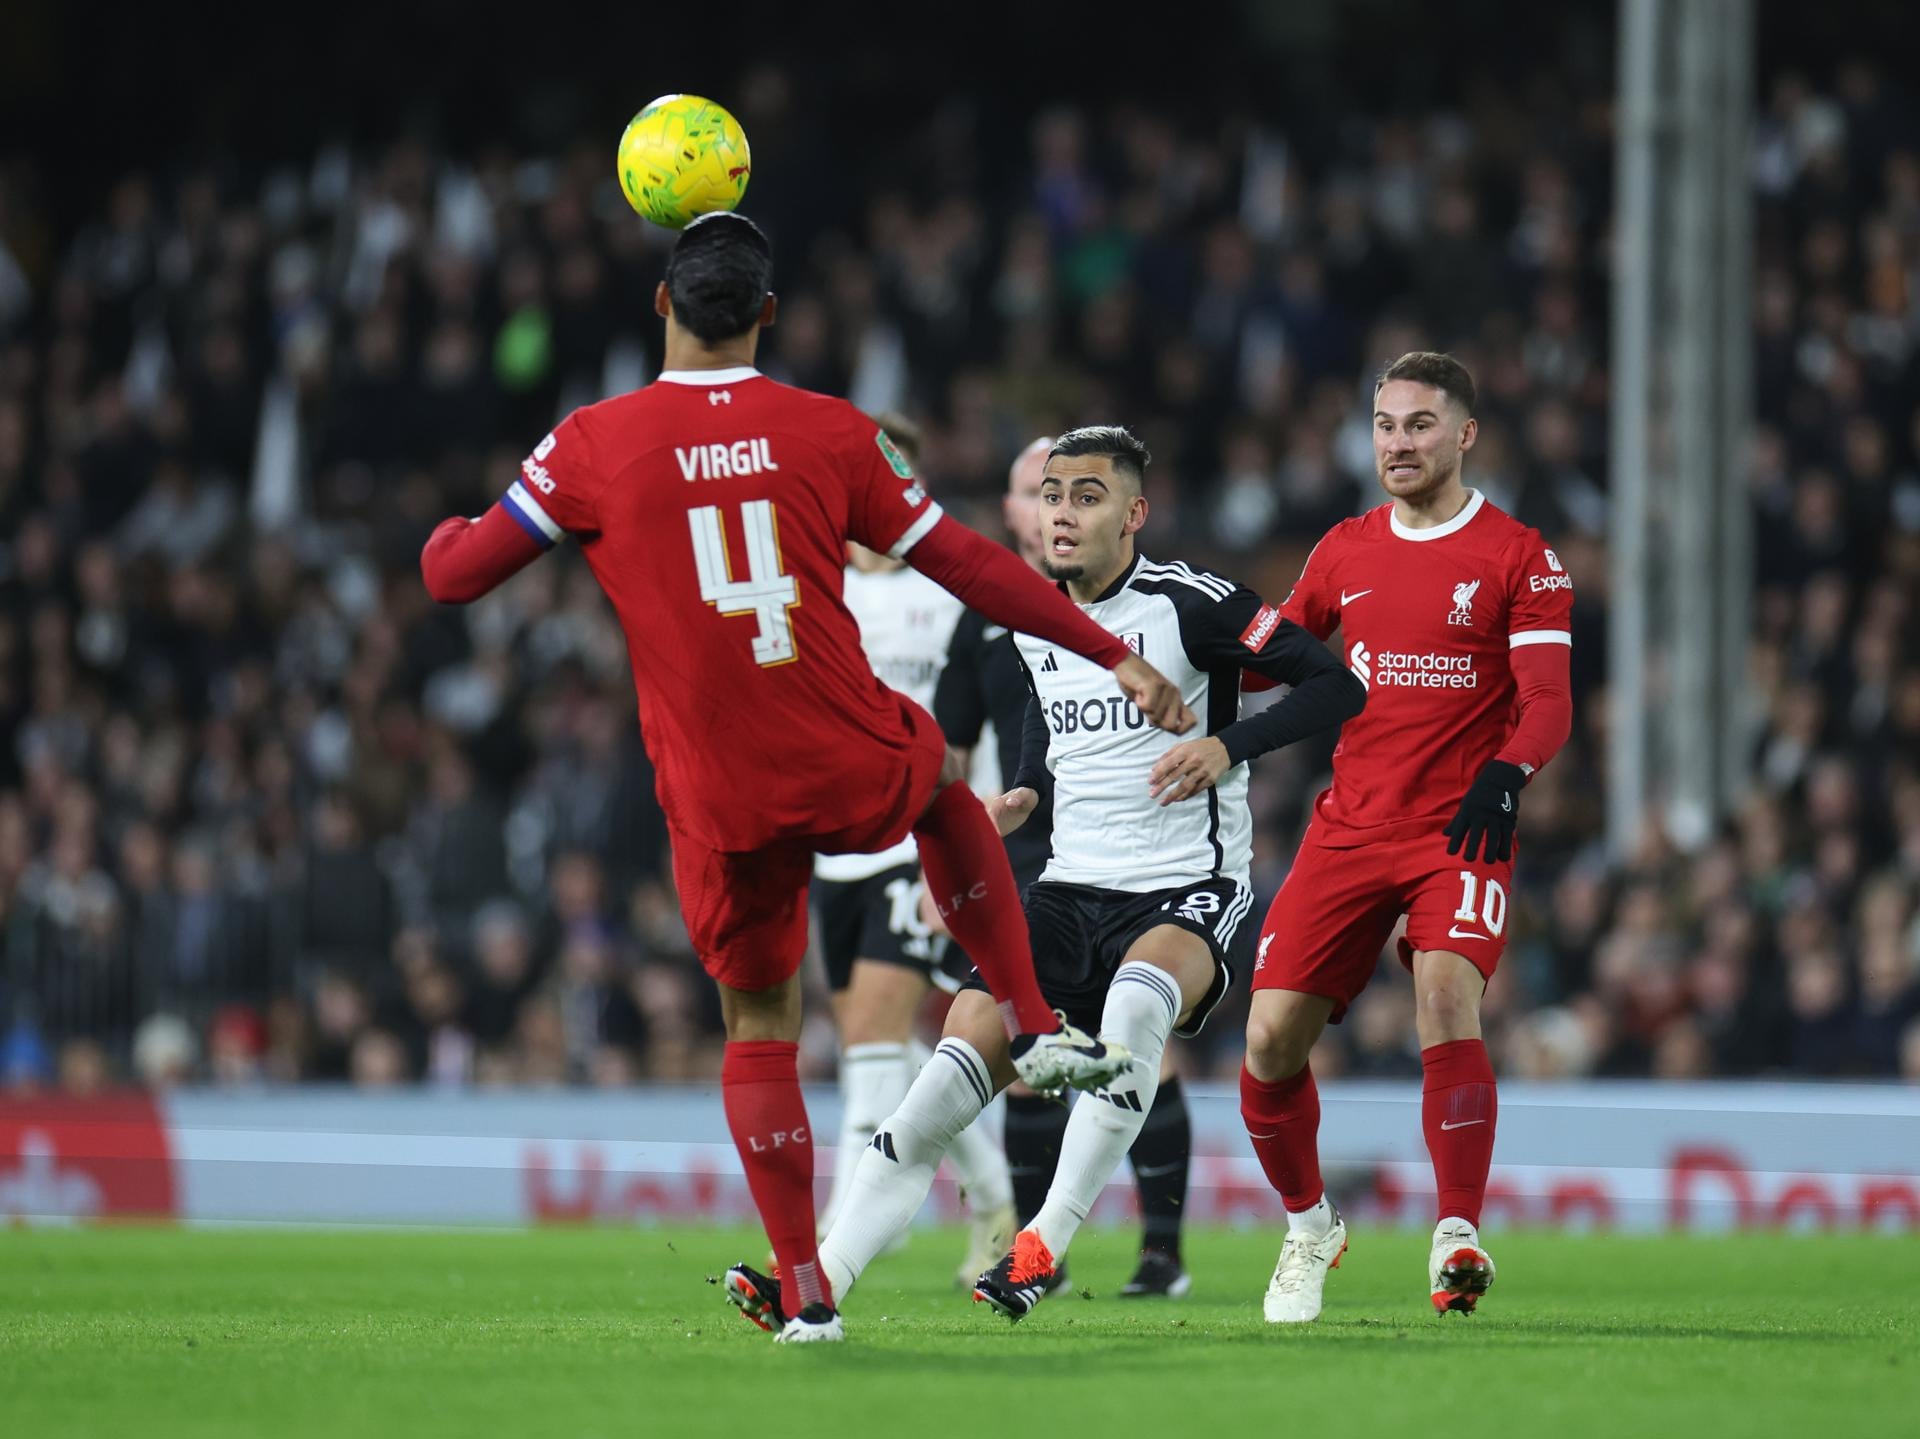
x=463 y=559
x=998 y=584
x=1546 y=704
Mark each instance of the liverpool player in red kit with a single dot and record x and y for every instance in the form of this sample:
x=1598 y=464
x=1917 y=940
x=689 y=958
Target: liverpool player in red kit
x=714 y=507
x=1456 y=617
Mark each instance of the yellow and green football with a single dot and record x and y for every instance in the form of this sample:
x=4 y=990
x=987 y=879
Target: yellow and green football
x=682 y=157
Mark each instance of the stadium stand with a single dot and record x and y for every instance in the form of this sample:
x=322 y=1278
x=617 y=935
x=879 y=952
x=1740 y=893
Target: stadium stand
x=267 y=813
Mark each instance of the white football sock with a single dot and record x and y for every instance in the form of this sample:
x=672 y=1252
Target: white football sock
x=873 y=1081
x=896 y=1170
x=979 y=1153
x=1142 y=1003
x=1314 y=1222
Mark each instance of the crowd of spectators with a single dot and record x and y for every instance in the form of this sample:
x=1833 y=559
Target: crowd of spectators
x=269 y=814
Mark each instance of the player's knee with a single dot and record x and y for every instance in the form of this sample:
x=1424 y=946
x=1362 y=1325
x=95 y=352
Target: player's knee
x=1183 y=957
x=876 y=1023
x=975 y=1017
x=1446 y=1011
x=758 y=1014
x=880 y=1003
x=1278 y=1043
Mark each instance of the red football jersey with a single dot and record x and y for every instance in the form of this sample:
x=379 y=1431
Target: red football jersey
x=1427 y=619
x=714 y=507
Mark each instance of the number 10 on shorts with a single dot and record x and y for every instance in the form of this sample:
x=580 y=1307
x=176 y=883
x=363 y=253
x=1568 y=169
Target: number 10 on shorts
x=1492 y=910
x=765 y=593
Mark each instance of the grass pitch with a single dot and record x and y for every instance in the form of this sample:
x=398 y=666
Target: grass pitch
x=618 y=1332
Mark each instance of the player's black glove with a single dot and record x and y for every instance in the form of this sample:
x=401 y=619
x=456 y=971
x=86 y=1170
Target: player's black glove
x=1489 y=811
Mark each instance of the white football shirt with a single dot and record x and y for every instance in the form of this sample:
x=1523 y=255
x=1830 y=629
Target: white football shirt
x=906 y=622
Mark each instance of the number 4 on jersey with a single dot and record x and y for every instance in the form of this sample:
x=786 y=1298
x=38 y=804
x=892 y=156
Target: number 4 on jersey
x=765 y=592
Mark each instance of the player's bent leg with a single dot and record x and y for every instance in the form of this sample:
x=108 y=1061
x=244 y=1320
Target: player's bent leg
x=1459 y=1108
x=760 y=1087
x=1283 y=1026
x=890 y=1183
x=972 y=884
x=1166 y=973
x=875 y=1014
x=1160 y=1157
x=1036 y=1128
x=1279 y=1102
x=979 y=1159
x=1280 y=1106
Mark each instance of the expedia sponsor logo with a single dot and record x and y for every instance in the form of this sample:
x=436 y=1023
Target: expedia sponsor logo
x=536 y=475
x=1541 y=583
x=1402 y=669
x=1066 y=717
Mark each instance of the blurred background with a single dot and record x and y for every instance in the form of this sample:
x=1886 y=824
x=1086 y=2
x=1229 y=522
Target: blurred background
x=275 y=298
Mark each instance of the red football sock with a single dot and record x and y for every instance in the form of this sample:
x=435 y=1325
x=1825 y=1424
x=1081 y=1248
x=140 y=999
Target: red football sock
x=1457 y=1109
x=968 y=876
x=1283 y=1121
x=760 y=1085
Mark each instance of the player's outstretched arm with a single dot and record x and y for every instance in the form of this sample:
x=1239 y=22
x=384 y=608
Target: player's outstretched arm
x=553 y=498
x=463 y=559
x=995 y=582
x=1324 y=692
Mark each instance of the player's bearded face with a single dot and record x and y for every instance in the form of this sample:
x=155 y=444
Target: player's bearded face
x=1417 y=436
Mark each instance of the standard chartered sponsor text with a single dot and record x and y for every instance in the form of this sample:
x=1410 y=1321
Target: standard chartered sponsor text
x=1402 y=670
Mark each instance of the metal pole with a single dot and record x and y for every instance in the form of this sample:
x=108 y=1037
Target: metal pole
x=1632 y=328
x=1734 y=520
x=1687 y=718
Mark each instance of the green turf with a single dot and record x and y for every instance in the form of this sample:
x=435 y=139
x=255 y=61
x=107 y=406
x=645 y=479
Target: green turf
x=604 y=1332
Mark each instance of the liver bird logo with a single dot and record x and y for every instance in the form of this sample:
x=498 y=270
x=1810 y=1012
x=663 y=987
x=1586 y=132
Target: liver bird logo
x=1463 y=594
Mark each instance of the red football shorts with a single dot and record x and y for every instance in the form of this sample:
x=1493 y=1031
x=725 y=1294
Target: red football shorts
x=1325 y=929
x=746 y=911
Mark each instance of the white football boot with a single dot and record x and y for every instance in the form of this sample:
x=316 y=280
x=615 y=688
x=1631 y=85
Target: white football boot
x=1459 y=1271
x=1069 y=1058
x=816 y=1324
x=1294 y=1294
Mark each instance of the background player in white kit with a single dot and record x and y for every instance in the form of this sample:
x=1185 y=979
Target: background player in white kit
x=881 y=956
x=1151 y=848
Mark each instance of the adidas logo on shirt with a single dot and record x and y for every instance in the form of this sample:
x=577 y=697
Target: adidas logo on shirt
x=1050 y=665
